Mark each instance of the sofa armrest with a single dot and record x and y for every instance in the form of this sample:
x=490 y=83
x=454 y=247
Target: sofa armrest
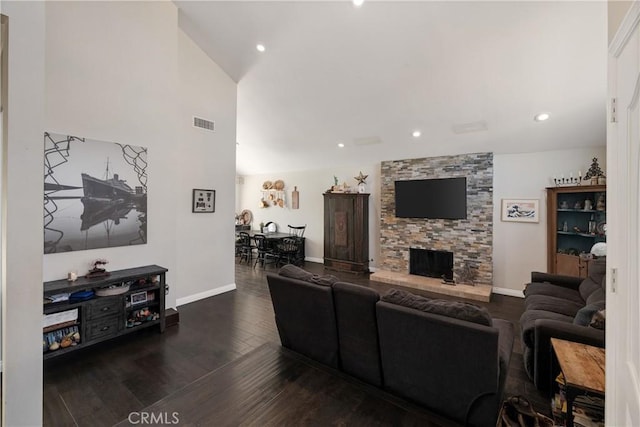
x=545 y=329
x=556 y=279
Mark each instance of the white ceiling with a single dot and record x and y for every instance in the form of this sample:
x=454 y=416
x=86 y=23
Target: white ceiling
x=336 y=73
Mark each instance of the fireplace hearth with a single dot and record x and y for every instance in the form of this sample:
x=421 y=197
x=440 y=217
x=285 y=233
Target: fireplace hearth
x=431 y=263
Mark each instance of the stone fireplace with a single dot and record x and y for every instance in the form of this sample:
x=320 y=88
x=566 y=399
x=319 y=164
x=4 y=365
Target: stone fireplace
x=470 y=239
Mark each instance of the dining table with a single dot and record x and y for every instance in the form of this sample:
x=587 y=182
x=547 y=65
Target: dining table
x=275 y=237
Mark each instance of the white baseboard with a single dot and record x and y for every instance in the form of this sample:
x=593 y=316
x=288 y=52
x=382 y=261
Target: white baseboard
x=205 y=294
x=508 y=292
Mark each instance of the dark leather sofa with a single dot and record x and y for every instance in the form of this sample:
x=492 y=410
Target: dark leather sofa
x=560 y=307
x=456 y=368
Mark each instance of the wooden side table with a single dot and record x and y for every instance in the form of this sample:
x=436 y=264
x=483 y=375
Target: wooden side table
x=583 y=367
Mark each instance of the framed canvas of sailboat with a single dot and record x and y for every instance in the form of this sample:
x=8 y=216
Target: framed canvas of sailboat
x=95 y=194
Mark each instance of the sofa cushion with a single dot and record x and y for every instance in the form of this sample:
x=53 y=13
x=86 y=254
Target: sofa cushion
x=355 y=307
x=528 y=320
x=294 y=272
x=455 y=309
x=553 y=304
x=585 y=314
x=599 y=295
x=595 y=281
x=552 y=290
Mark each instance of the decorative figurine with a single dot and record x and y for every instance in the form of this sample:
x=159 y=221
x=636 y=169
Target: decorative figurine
x=600 y=204
x=595 y=174
x=361 y=182
x=97 y=270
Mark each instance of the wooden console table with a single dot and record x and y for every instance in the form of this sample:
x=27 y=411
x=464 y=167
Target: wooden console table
x=583 y=367
x=81 y=323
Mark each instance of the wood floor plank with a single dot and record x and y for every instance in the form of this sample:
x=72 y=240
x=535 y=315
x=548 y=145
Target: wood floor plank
x=268 y=387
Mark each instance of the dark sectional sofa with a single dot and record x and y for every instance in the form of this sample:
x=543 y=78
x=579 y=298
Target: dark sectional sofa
x=405 y=344
x=560 y=307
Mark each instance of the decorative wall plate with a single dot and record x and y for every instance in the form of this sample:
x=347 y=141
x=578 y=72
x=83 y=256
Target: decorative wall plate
x=267 y=185
x=279 y=185
x=602 y=228
x=246 y=216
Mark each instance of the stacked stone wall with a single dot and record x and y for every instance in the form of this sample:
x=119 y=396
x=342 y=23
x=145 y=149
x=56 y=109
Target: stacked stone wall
x=469 y=239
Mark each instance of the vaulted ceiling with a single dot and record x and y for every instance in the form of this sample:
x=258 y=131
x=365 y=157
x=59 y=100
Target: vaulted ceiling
x=469 y=75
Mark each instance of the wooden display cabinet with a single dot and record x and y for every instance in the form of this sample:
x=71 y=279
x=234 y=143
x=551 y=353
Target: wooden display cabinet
x=346 y=232
x=571 y=229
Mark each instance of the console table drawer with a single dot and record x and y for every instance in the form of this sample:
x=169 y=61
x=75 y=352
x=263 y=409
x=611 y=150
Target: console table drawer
x=104 y=328
x=102 y=307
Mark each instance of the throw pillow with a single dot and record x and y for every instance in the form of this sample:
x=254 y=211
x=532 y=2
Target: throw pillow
x=455 y=309
x=585 y=314
x=295 y=272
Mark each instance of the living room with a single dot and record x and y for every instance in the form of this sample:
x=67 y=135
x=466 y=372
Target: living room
x=73 y=70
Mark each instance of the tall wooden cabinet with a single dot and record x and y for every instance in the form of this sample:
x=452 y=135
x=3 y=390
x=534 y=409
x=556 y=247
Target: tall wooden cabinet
x=346 y=232
x=576 y=220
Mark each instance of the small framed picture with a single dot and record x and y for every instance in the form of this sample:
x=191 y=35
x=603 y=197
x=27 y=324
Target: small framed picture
x=520 y=210
x=204 y=201
x=139 y=298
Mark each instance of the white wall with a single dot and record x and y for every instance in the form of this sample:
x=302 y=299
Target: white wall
x=22 y=289
x=311 y=185
x=207 y=160
x=112 y=71
x=518 y=248
x=124 y=72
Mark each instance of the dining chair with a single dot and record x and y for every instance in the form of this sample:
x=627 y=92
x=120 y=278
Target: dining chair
x=246 y=247
x=288 y=251
x=297 y=231
x=266 y=254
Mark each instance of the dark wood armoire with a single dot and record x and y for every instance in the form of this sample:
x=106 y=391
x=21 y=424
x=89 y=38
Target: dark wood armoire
x=346 y=232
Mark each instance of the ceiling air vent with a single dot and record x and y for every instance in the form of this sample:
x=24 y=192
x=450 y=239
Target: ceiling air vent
x=203 y=124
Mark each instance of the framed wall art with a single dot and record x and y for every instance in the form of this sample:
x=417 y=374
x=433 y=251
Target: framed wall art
x=95 y=194
x=520 y=210
x=204 y=201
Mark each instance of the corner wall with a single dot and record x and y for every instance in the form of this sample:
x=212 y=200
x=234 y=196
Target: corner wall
x=469 y=239
x=22 y=287
x=311 y=185
x=124 y=72
x=520 y=248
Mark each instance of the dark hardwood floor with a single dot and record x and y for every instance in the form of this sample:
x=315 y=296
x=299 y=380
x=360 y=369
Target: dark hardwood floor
x=216 y=338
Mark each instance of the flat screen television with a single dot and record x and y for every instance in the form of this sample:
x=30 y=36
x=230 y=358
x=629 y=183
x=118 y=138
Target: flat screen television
x=444 y=198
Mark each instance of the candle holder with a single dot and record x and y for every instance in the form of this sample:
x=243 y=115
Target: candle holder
x=567 y=181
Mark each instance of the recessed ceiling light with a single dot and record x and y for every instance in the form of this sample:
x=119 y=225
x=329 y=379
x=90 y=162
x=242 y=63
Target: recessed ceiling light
x=357 y=3
x=341 y=145
x=541 y=117
x=260 y=47
x=416 y=134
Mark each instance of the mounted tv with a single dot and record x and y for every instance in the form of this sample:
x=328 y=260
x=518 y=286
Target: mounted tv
x=432 y=198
